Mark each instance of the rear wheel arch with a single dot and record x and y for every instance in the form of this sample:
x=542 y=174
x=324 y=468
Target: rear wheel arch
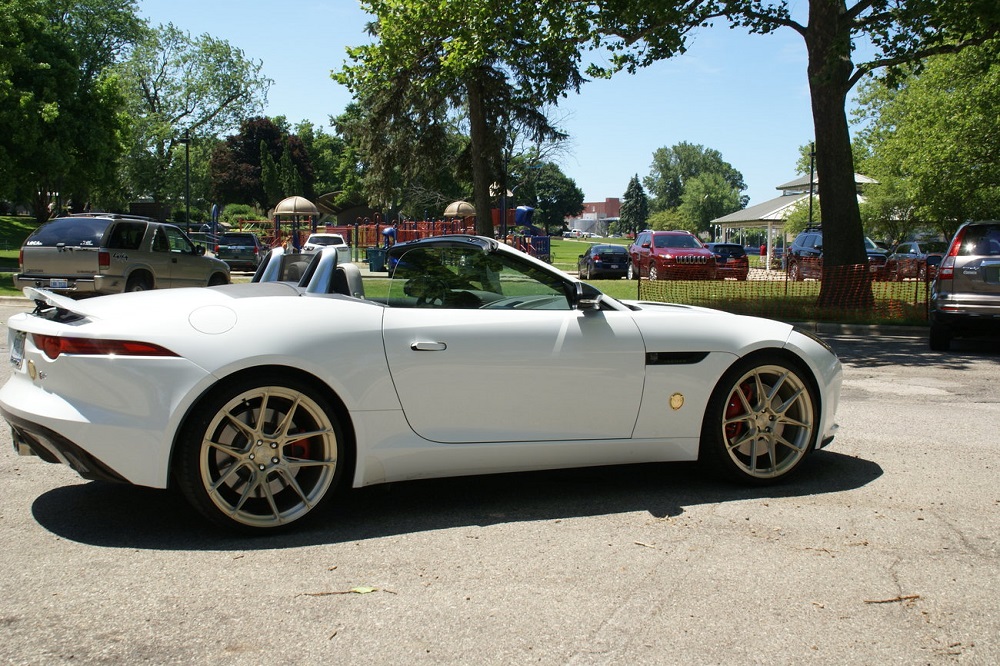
x=140 y=279
x=273 y=373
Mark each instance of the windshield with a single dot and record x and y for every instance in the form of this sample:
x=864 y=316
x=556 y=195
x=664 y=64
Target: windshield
x=326 y=240
x=676 y=240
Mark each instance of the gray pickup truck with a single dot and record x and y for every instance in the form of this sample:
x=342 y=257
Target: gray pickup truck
x=105 y=254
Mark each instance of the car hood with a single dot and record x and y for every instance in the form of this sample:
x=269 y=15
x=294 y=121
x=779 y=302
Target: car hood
x=691 y=328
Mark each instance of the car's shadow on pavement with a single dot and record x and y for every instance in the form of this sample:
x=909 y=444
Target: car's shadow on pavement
x=122 y=516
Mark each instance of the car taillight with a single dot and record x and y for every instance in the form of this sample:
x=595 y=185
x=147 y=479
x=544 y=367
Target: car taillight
x=54 y=345
x=947 y=269
x=104 y=259
x=20 y=259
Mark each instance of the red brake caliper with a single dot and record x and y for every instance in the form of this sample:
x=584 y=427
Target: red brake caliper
x=735 y=408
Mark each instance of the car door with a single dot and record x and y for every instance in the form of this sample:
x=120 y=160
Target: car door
x=517 y=366
x=186 y=266
x=642 y=250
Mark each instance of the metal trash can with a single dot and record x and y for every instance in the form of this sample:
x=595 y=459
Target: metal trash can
x=376 y=259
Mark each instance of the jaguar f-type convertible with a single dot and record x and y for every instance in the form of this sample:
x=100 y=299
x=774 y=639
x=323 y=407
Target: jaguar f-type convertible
x=259 y=400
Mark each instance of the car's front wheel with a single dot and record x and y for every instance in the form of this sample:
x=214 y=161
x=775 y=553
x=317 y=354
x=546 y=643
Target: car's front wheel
x=261 y=453
x=653 y=274
x=761 y=420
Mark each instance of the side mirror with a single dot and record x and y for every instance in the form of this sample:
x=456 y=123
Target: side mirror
x=199 y=250
x=585 y=297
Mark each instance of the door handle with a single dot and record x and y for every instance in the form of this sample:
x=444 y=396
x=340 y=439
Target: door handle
x=428 y=346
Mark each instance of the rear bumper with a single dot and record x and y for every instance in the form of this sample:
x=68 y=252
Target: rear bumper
x=97 y=284
x=31 y=439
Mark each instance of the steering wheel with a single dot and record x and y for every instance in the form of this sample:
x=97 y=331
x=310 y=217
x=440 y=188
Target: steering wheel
x=429 y=290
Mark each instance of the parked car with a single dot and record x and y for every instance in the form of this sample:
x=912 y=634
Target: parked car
x=675 y=255
x=603 y=261
x=242 y=250
x=321 y=240
x=271 y=395
x=731 y=260
x=915 y=259
x=804 y=258
x=102 y=253
x=965 y=295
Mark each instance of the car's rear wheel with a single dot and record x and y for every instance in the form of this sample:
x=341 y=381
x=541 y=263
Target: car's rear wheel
x=260 y=454
x=633 y=272
x=940 y=338
x=761 y=420
x=139 y=283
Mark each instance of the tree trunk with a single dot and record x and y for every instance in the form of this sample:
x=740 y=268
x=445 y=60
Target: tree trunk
x=846 y=280
x=479 y=140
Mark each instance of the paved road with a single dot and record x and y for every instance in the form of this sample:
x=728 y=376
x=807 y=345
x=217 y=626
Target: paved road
x=884 y=550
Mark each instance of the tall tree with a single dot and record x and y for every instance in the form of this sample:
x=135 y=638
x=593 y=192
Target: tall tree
x=635 y=208
x=260 y=165
x=60 y=108
x=179 y=83
x=640 y=32
x=492 y=61
x=674 y=167
x=934 y=140
x=553 y=195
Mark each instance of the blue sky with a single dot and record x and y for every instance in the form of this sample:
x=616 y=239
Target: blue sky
x=743 y=95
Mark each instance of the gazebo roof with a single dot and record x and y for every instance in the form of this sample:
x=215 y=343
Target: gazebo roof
x=460 y=209
x=294 y=206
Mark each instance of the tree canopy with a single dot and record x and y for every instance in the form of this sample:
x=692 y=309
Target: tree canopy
x=639 y=32
x=61 y=119
x=933 y=139
x=177 y=83
x=493 y=63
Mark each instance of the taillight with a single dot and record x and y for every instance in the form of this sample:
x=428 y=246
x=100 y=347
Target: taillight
x=947 y=269
x=104 y=259
x=20 y=258
x=596 y=257
x=54 y=345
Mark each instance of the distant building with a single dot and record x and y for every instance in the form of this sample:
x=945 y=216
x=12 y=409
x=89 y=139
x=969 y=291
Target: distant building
x=596 y=216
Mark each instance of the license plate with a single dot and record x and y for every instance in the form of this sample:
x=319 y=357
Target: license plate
x=58 y=284
x=614 y=265
x=17 y=349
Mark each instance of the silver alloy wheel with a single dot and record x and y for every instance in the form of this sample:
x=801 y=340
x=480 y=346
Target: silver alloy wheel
x=653 y=275
x=268 y=456
x=768 y=423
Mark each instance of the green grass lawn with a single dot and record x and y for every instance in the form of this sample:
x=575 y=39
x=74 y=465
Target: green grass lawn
x=13 y=231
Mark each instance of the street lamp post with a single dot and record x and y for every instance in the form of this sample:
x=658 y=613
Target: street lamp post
x=186 y=140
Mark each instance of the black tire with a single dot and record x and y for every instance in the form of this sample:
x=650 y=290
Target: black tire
x=761 y=421
x=940 y=338
x=217 y=279
x=260 y=475
x=139 y=283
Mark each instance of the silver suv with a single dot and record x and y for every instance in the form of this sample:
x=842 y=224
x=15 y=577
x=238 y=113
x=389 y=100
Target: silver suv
x=965 y=296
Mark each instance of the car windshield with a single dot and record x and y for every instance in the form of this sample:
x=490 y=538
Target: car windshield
x=236 y=239
x=676 y=240
x=609 y=249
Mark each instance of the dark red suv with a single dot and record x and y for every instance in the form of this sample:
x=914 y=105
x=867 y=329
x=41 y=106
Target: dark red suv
x=670 y=255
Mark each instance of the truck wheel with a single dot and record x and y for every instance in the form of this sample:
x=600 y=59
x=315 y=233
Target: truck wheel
x=138 y=283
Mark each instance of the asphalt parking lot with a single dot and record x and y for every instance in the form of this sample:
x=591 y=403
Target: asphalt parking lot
x=883 y=550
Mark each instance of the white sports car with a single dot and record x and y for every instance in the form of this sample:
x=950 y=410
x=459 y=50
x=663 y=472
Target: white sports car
x=259 y=400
